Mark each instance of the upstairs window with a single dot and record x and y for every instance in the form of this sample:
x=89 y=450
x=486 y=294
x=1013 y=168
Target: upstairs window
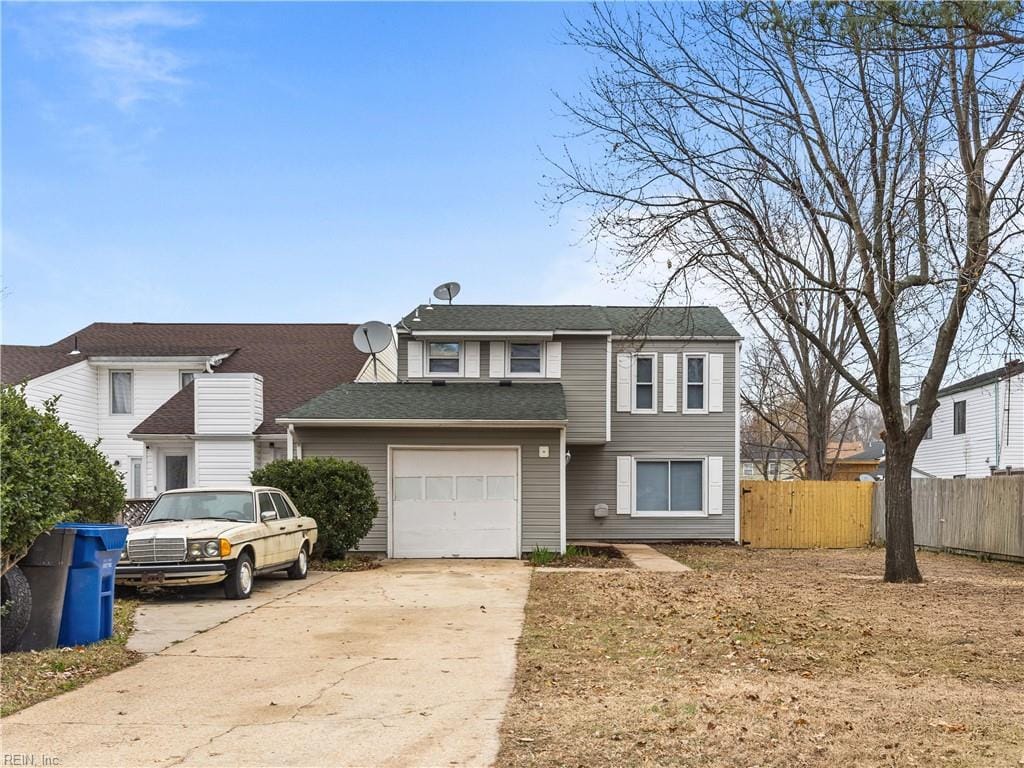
x=443 y=357
x=960 y=417
x=643 y=384
x=525 y=358
x=695 y=383
x=120 y=392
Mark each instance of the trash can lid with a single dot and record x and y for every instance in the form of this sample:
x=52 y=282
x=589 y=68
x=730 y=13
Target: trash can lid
x=111 y=534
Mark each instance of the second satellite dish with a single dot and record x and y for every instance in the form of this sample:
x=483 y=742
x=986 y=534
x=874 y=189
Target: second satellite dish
x=447 y=291
x=373 y=337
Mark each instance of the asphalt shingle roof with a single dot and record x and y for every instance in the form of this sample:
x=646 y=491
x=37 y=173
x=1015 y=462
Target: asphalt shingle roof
x=1010 y=369
x=422 y=400
x=296 y=360
x=624 y=321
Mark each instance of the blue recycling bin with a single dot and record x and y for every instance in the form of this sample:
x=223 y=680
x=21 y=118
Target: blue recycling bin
x=89 y=597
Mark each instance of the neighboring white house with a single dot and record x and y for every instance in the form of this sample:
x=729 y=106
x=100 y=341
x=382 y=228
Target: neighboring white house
x=176 y=404
x=978 y=427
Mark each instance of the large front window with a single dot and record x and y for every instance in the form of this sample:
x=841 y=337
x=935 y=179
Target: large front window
x=667 y=487
x=203 y=505
x=525 y=358
x=443 y=357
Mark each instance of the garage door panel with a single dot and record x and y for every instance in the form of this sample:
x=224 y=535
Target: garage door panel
x=455 y=503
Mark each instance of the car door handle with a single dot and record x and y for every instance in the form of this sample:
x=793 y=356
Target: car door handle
x=280 y=527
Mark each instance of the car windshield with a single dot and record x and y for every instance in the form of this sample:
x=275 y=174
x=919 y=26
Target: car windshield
x=203 y=505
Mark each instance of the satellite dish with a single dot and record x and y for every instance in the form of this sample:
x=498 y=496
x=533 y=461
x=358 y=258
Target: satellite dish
x=372 y=338
x=866 y=478
x=447 y=291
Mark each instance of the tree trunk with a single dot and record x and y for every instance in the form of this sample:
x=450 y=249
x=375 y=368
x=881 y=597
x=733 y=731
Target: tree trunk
x=900 y=556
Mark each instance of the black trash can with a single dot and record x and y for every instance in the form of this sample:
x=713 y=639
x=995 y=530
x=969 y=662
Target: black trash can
x=46 y=567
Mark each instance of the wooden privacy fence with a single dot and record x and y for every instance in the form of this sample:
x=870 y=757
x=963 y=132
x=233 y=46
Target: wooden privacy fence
x=805 y=514
x=983 y=515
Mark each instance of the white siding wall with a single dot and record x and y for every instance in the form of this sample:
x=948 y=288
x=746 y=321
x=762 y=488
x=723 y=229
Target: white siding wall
x=224 y=462
x=152 y=385
x=228 y=403
x=387 y=366
x=986 y=440
x=76 y=386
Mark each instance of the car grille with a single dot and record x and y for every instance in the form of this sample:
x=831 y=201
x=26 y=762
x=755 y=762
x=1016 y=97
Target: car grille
x=156 y=550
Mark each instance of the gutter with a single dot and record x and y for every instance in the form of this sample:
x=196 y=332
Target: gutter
x=506 y=423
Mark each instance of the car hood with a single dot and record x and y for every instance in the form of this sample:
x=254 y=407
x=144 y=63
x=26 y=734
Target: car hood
x=190 y=529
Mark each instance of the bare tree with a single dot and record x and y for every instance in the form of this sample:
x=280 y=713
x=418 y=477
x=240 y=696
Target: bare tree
x=865 y=151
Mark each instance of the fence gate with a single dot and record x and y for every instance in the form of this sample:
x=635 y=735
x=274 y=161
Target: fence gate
x=803 y=514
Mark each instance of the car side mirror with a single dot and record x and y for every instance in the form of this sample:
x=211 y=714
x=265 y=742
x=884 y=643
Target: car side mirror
x=267 y=515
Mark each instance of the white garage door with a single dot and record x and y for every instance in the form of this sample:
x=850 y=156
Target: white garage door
x=454 y=503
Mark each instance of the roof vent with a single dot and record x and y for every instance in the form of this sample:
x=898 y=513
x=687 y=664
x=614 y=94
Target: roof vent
x=505 y=383
x=437 y=382
x=75 y=351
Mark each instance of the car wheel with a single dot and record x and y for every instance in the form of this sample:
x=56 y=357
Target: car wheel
x=16 y=596
x=300 y=568
x=238 y=585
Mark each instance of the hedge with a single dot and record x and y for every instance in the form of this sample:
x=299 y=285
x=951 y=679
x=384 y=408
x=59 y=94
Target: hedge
x=49 y=475
x=337 y=494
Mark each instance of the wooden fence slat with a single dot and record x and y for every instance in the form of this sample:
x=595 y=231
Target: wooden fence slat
x=805 y=513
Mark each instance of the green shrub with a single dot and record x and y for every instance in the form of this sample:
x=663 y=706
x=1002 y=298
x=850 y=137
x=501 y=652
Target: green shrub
x=337 y=494
x=49 y=475
x=541 y=556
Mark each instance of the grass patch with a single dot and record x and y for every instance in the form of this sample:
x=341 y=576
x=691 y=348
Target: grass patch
x=579 y=557
x=33 y=676
x=772 y=659
x=354 y=563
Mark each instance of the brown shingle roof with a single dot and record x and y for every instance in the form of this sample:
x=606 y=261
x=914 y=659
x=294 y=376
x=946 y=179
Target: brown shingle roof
x=297 y=361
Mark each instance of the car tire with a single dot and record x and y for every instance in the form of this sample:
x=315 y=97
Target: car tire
x=238 y=585
x=300 y=568
x=16 y=598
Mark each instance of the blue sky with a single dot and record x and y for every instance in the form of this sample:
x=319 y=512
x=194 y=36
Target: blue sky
x=283 y=162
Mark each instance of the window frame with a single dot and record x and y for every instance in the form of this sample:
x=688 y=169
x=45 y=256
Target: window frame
x=181 y=377
x=961 y=405
x=460 y=358
x=525 y=374
x=703 y=382
x=653 y=356
x=702 y=512
x=131 y=392
x=748 y=465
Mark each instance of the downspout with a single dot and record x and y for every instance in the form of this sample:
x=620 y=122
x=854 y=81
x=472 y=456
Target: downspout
x=999 y=442
x=291 y=442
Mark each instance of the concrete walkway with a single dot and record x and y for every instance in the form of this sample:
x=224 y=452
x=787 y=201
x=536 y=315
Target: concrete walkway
x=647 y=558
x=406 y=665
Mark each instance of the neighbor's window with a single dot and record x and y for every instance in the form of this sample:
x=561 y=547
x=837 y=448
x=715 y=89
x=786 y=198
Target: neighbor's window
x=187 y=377
x=524 y=358
x=669 y=486
x=960 y=417
x=694 y=382
x=643 y=385
x=773 y=469
x=748 y=470
x=120 y=391
x=928 y=433
x=443 y=357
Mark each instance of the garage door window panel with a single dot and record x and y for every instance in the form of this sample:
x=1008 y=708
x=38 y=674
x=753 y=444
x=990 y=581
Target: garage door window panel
x=408 y=489
x=501 y=488
x=440 y=489
x=469 y=488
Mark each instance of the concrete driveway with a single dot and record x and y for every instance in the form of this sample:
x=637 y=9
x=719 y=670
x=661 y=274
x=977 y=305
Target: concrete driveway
x=406 y=665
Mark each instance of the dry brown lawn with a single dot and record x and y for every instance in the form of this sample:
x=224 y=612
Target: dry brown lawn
x=772 y=658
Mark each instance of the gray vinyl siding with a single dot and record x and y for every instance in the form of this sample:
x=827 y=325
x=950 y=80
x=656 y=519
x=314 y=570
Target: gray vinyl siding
x=590 y=477
x=369 y=447
x=584 y=379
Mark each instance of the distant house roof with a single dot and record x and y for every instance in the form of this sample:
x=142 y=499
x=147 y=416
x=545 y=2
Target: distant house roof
x=874 y=452
x=296 y=360
x=1012 y=368
x=623 y=321
x=759 y=453
x=411 y=401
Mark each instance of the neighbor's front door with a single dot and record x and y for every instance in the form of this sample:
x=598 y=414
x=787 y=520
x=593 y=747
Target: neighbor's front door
x=175 y=472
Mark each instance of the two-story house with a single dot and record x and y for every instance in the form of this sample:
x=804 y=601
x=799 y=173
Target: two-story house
x=515 y=427
x=178 y=404
x=978 y=427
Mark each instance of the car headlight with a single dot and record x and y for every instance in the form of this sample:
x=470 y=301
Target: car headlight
x=211 y=549
x=204 y=548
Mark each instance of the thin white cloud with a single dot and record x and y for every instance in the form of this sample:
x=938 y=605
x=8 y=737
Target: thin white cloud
x=121 y=49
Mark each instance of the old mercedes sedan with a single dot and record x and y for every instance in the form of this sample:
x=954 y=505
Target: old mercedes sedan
x=211 y=535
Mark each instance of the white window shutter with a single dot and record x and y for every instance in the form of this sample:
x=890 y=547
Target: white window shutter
x=497 y=360
x=623 y=485
x=472 y=360
x=714 y=485
x=716 y=376
x=414 y=359
x=553 y=360
x=669 y=381
x=624 y=382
